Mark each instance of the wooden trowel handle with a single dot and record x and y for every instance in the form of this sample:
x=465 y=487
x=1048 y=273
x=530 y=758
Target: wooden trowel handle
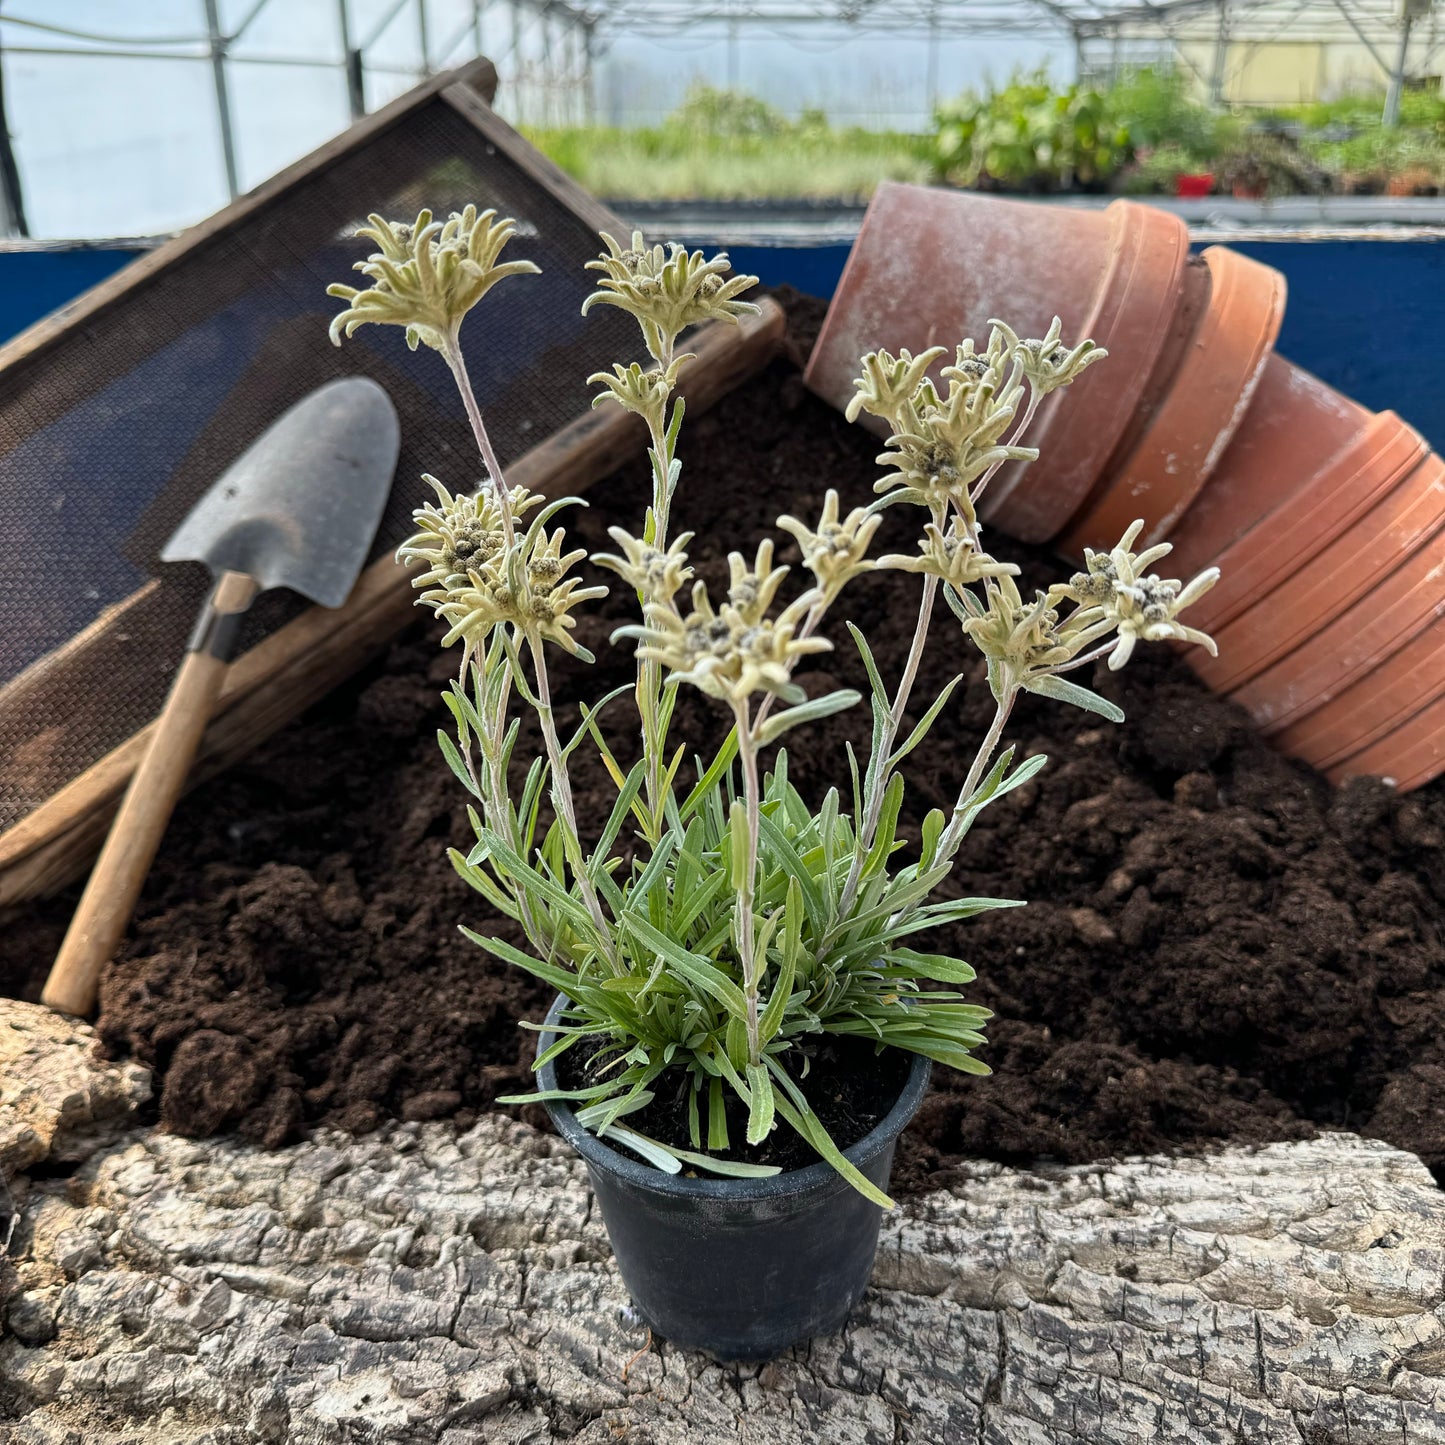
x=110 y=896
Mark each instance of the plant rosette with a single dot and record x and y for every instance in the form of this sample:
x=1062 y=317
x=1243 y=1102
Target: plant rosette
x=723 y=942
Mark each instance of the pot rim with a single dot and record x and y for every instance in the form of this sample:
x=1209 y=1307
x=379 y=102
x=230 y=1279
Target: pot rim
x=1401 y=524
x=1411 y=754
x=775 y=1186
x=1198 y=414
x=1372 y=706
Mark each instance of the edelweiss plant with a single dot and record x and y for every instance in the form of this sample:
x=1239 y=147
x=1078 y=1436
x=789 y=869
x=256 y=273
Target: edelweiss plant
x=739 y=921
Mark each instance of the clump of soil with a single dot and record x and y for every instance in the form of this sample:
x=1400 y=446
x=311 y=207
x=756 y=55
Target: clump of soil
x=1217 y=945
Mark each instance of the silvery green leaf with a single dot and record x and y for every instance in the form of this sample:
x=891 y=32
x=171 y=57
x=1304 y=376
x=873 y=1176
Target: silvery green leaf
x=1062 y=690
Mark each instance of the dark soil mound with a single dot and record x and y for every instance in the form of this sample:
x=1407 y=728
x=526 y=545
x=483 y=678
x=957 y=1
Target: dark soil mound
x=1217 y=946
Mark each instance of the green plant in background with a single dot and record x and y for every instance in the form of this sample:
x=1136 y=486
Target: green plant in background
x=1270 y=165
x=1158 y=106
x=1030 y=135
x=719 y=922
x=1139 y=134
x=726 y=145
x=1347 y=139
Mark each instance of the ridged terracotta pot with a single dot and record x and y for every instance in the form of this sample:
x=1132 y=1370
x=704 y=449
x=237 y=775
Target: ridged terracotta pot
x=1398 y=605
x=1207 y=399
x=1377 y=705
x=931 y=267
x=1338 y=500
x=1326 y=519
x=1410 y=755
x=1295 y=429
x=1078 y=429
x=1288 y=612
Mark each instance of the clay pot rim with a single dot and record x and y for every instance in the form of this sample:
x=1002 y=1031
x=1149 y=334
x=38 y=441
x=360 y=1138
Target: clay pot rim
x=1422 y=576
x=1130 y=292
x=1287 y=389
x=1420 y=495
x=1385 y=455
x=1418 y=732
x=881 y=202
x=1208 y=397
x=1372 y=707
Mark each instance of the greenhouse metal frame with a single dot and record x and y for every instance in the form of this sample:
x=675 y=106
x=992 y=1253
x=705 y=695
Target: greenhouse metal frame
x=546 y=51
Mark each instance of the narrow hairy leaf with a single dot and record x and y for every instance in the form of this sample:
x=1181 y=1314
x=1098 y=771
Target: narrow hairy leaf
x=818 y=707
x=562 y=979
x=924 y=724
x=655 y=1154
x=1062 y=690
x=808 y=1126
x=728 y=1168
x=778 y=843
x=741 y=863
x=455 y=763
x=875 y=680
x=760 y=1108
x=717 y=1116
x=693 y=967
x=708 y=781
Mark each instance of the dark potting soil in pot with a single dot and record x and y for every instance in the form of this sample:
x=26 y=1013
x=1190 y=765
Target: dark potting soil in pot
x=1217 y=946
x=850 y=1085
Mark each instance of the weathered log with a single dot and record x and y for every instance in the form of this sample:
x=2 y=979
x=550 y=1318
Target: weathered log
x=424 y=1284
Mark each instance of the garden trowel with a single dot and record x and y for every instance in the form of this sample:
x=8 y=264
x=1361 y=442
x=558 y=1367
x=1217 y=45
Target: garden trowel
x=299 y=509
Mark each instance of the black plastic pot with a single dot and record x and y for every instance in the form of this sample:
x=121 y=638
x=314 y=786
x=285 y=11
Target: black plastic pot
x=741 y=1268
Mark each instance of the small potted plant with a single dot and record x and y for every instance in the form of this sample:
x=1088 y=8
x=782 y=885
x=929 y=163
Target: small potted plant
x=747 y=1009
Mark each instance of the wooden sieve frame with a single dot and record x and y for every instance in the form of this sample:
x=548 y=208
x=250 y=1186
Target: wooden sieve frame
x=300 y=661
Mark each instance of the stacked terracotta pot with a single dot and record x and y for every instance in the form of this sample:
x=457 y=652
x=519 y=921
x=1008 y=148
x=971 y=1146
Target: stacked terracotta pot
x=1326 y=520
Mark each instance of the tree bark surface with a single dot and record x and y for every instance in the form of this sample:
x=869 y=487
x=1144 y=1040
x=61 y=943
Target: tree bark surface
x=424 y=1284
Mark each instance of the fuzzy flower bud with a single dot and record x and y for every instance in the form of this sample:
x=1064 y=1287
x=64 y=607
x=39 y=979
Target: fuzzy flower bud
x=645 y=393
x=751 y=589
x=427 y=275
x=952 y=557
x=657 y=576
x=456 y=534
x=837 y=551
x=889 y=382
x=1047 y=363
x=474 y=582
x=667 y=290
x=1141 y=606
x=720 y=653
x=1026 y=637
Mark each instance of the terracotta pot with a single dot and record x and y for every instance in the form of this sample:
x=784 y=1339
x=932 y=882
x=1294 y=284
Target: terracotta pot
x=1400 y=606
x=1410 y=755
x=1294 y=427
x=1324 y=505
x=1376 y=705
x=1194 y=187
x=1285 y=614
x=932 y=267
x=1207 y=399
x=1079 y=428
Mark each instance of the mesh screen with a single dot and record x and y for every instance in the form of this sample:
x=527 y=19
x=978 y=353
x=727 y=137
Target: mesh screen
x=108 y=436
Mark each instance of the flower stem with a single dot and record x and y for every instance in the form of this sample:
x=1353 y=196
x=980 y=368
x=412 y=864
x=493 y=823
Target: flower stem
x=491 y=785
x=562 y=803
x=953 y=835
x=649 y=674
x=752 y=802
x=873 y=803
x=1029 y=411
x=452 y=354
